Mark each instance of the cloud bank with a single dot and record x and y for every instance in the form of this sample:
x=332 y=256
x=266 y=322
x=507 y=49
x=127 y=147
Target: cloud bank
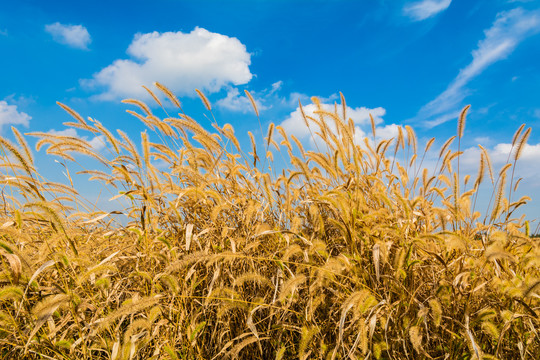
x=181 y=61
x=75 y=36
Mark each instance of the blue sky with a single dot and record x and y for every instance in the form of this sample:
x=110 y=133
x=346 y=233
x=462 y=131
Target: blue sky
x=412 y=63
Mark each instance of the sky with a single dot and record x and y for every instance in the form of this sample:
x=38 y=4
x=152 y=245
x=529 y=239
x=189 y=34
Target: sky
x=405 y=62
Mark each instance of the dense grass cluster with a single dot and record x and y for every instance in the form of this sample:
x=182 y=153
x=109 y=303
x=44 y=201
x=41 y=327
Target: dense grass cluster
x=352 y=251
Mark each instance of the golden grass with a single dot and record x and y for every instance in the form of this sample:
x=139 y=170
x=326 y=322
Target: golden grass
x=346 y=253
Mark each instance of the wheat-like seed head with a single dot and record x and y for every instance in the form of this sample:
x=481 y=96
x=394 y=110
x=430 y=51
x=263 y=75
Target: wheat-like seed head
x=169 y=94
x=497 y=206
x=131 y=308
x=401 y=139
x=481 y=169
x=488 y=163
x=108 y=136
x=461 y=121
x=411 y=138
x=153 y=95
x=269 y=134
x=130 y=147
x=73 y=113
x=521 y=144
x=429 y=144
x=204 y=100
x=372 y=121
x=146 y=121
x=253 y=103
x=22 y=143
x=446 y=145
x=517 y=184
x=140 y=104
x=517 y=134
x=343 y=107
x=15 y=152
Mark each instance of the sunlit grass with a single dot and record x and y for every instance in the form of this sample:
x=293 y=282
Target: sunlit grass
x=352 y=251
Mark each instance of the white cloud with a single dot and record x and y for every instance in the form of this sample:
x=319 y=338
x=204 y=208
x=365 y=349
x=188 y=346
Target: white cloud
x=240 y=103
x=269 y=98
x=388 y=131
x=181 y=61
x=530 y=153
x=97 y=142
x=483 y=140
x=75 y=36
x=10 y=115
x=66 y=132
x=469 y=161
x=421 y=10
x=265 y=99
x=295 y=124
x=509 y=29
x=441 y=119
x=526 y=166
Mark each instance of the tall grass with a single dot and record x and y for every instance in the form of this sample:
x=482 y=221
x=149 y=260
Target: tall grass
x=348 y=252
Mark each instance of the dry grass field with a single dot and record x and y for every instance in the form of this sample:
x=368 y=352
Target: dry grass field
x=352 y=251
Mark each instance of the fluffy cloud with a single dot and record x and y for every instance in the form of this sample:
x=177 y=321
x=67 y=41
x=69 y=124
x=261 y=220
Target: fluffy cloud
x=265 y=99
x=10 y=115
x=181 y=61
x=296 y=126
x=509 y=29
x=530 y=153
x=526 y=166
x=421 y=10
x=97 y=142
x=75 y=36
x=239 y=103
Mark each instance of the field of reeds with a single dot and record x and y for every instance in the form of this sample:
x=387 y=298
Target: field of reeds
x=352 y=251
